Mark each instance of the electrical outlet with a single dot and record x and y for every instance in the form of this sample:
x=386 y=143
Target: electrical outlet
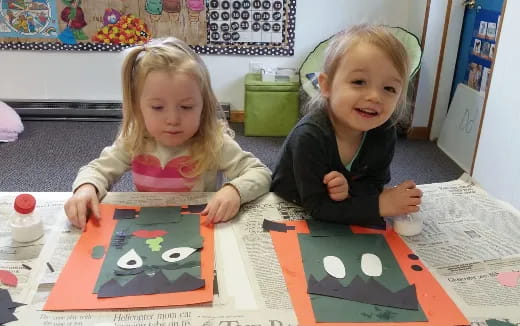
x=255 y=67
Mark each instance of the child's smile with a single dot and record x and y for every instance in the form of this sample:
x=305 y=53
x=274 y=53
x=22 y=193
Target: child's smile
x=367 y=112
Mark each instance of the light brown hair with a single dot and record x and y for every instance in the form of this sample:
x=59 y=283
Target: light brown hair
x=170 y=55
x=377 y=35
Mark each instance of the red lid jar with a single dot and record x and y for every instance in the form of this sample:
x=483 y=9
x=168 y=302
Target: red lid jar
x=24 y=203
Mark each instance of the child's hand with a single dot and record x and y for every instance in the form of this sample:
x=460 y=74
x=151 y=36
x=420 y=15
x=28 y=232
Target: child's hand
x=337 y=185
x=402 y=199
x=223 y=206
x=77 y=206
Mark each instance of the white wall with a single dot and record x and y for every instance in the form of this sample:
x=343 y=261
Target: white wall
x=449 y=61
x=416 y=12
x=497 y=165
x=95 y=76
x=430 y=60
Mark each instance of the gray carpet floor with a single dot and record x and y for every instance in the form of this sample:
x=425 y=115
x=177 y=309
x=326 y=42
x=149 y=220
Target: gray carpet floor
x=48 y=154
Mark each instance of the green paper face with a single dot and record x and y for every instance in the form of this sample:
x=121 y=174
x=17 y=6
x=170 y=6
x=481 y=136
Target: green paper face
x=181 y=231
x=98 y=252
x=349 y=248
x=494 y=322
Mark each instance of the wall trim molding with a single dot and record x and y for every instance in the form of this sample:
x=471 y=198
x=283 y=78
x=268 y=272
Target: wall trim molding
x=237 y=116
x=419 y=133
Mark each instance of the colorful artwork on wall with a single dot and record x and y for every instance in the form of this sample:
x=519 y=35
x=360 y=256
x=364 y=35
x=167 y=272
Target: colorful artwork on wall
x=36 y=19
x=245 y=27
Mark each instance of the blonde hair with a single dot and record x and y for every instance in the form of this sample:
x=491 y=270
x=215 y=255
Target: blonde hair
x=377 y=35
x=170 y=55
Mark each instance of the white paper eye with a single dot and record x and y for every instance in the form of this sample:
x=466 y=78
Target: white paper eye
x=176 y=254
x=371 y=265
x=334 y=266
x=130 y=260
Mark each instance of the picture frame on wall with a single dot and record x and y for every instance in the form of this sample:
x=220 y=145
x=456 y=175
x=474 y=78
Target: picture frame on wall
x=482 y=29
x=476 y=46
x=491 y=31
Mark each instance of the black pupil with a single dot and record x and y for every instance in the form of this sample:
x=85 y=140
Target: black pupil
x=175 y=255
x=132 y=262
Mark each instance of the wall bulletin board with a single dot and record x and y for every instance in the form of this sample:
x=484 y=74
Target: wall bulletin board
x=243 y=27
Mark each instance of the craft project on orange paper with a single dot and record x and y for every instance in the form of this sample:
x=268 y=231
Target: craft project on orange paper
x=338 y=275
x=136 y=257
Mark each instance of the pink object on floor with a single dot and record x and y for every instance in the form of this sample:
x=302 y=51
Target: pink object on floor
x=508 y=278
x=196 y=5
x=10 y=123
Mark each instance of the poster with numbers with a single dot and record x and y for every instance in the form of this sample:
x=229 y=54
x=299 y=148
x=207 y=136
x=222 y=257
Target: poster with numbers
x=251 y=26
x=246 y=21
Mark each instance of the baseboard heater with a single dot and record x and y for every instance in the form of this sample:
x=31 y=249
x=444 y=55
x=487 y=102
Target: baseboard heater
x=77 y=111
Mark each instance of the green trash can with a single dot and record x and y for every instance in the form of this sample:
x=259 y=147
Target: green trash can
x=271 y=108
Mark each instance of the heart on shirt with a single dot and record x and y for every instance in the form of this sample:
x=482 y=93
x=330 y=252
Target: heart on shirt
x=149 y=175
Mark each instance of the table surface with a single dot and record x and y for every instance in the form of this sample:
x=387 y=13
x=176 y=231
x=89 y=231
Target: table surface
x=237 y=299
x=245 y=295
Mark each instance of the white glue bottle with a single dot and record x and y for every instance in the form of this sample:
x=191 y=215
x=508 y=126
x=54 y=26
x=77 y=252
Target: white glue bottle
x=25 y=225
x=408 y=225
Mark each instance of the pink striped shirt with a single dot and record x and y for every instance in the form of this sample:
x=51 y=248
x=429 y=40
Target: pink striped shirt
x=149 y=175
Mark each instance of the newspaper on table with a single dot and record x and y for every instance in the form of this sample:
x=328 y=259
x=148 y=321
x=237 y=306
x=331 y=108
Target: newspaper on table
x=467 y=240
x=20 y=258
x=35 y=284
x=258 y=253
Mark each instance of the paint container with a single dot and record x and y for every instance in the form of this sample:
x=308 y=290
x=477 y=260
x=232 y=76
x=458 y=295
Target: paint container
x=25 y=225
x=408 y=225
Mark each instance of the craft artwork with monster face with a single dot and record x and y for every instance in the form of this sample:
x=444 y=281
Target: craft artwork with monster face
x=135 y=257
x=338 y=274
x=369 y=285
x=157 y=252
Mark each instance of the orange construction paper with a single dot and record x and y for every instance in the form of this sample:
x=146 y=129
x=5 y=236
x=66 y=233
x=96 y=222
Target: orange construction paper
x=73 y=289
x=437 y=306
